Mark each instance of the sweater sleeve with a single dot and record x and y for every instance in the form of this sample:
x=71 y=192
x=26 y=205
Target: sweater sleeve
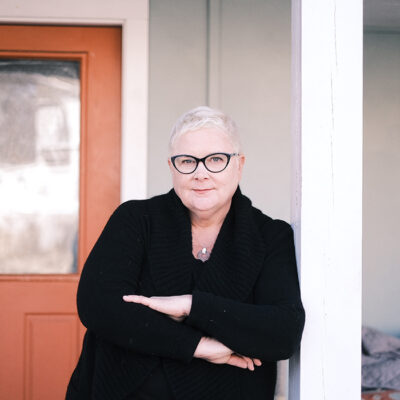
x=270 y=326
x=112 y=270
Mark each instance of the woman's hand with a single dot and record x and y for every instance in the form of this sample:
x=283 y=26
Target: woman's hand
x=209 y=349
x=176 y=307
x=215 y=352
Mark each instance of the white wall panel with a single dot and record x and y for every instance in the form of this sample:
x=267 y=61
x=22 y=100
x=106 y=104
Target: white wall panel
x=381 y=216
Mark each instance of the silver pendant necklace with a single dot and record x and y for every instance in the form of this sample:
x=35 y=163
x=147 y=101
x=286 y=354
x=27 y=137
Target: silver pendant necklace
x=203 y=254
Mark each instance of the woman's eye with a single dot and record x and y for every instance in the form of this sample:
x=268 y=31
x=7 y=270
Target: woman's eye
x=187 y=161
x=216 y=159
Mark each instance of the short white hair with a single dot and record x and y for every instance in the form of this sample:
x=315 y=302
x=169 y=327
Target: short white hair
x=205 y=117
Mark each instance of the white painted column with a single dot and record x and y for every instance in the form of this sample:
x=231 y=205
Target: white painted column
x=327 y=195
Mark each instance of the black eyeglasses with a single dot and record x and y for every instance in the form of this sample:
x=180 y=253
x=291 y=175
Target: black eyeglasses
x=215 y=162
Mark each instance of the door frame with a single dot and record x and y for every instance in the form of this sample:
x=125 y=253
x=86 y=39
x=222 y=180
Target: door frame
x=133 y=17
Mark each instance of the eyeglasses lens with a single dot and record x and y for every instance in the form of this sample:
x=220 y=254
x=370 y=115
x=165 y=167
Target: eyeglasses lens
x=185 y=164
x=214 y=163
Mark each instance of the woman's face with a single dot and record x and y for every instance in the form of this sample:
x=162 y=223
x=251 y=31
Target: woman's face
x=204 y=192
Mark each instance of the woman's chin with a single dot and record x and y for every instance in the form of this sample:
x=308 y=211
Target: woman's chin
x=202 y=205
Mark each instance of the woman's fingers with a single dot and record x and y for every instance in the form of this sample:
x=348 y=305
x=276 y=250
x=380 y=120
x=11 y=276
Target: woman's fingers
x=173 y=306
x=249 y=361
x=215 y=352
x=133 y=298
x=237 y=361
x=240 y=361
x=154 y=303
x=244 y=362
x=257 y=362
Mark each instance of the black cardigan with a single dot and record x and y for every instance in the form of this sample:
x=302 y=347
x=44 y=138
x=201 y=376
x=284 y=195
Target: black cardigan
x=247 y=296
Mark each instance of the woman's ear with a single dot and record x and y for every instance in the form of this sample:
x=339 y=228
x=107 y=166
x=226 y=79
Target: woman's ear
x=241 y=162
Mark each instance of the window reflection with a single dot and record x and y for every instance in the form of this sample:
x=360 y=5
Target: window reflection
x=39 y=165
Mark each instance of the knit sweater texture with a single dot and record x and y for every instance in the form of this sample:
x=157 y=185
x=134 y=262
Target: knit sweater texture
x=246 y=296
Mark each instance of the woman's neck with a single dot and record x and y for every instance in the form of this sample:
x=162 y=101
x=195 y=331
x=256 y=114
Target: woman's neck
x=209 y=219
x=205 y=229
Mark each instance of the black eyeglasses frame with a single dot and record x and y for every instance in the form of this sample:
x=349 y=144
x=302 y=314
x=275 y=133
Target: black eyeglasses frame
x=202 y=160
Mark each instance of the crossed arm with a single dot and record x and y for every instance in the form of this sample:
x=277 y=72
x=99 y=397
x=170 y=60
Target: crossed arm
x=215 y=329
x=209 y=349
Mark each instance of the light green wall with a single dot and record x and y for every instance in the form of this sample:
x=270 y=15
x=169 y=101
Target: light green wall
x=177 y=76
x=381 y=197
x=234 y=56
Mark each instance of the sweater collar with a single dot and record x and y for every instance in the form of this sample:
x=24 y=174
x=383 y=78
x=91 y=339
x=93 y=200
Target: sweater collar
x=235 y=261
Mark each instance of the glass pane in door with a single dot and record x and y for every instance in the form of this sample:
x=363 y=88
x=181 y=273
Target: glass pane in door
x=39 y=165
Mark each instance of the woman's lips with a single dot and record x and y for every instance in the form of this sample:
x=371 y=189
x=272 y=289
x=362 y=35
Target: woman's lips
x=202 y=191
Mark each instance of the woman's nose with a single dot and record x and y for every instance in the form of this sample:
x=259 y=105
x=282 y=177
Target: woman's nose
x=201 y=172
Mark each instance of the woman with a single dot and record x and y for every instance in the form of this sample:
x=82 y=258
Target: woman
x=192 y=294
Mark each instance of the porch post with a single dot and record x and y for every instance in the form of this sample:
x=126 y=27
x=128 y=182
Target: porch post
x=327 y=195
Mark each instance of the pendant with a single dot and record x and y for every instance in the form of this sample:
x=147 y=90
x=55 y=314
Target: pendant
x=203 y=254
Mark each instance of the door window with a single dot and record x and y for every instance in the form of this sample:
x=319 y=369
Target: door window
x=39 y=165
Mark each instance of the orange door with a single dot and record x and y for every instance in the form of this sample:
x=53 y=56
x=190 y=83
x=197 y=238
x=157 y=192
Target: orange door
x=40 y=333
